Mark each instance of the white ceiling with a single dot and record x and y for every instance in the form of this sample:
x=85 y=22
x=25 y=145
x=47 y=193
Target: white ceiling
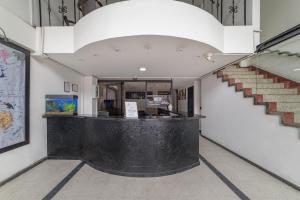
x=164 y=57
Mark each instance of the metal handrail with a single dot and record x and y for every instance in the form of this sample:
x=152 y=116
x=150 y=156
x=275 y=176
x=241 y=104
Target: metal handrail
x=279 y=38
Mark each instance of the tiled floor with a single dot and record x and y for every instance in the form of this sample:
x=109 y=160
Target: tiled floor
x=36 y=183
x=198 y=183
x=255 y=183
x=195 y=184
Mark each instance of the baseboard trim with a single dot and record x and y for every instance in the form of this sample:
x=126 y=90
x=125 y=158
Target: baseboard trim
x=255 y=165
x=22 y=171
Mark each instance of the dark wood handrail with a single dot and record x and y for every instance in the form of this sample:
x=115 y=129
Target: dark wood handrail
x=279 y=38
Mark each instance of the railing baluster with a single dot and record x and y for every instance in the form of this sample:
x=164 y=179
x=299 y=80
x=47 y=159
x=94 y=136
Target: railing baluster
x=233 y=9
x=245 y=12
x=40 y=12
x=49 y=12
x=221 y=11
x=233 y=6
x=75 y=20
x=217 y=6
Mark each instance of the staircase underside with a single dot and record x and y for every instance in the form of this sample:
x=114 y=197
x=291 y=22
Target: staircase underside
x=280 y=95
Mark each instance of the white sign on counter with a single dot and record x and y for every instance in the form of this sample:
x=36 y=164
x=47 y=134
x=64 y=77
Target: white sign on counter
x=131 y=110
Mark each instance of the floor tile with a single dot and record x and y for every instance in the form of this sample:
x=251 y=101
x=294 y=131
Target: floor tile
x=255 y=183
x=36 y=183
x=197 y=183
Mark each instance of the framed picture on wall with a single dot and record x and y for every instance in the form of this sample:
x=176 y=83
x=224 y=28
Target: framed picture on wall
x=67 y=87
x=74 y=87
x=14 y=96
x=182 y=94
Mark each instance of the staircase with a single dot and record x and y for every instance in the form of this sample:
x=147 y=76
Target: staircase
x=280 y=95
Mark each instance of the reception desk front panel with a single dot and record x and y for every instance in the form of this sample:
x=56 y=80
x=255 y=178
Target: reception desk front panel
x=129 y=147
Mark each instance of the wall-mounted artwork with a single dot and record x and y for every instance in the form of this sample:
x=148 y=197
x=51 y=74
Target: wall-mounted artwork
x=67 y=87
x=14 y=96
x=182 y=94
x=74 y=87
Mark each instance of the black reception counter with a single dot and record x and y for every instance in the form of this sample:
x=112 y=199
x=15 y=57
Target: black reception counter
x=145 y=147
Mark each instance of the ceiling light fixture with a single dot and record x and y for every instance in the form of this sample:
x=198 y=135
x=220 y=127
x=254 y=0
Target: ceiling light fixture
x=147 y=47
x=296 y=70
x=208 y=57
x=179 y=49
x=143 y=69
x=117 y=50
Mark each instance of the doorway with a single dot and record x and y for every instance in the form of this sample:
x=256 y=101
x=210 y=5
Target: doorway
x=190 y=100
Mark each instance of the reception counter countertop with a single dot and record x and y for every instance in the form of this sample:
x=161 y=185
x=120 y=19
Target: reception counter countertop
x=175 y=116
x=146 y=146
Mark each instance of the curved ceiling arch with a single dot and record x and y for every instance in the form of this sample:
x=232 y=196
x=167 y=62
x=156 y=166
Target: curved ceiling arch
x=149 y=17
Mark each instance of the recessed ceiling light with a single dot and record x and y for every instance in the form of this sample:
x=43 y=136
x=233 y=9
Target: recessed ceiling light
x=296 y=70
x=117 y=50
x=147 y=47
x=208 y=57
x=96 y=55
x=143 y=69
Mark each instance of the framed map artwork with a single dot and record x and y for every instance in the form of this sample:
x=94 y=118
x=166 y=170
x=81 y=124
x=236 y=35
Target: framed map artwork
x=14 y=96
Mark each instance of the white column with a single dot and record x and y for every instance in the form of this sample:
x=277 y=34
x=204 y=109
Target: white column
x=197 y=93
x=256 y=21
x=197 y=99
x=89 y=99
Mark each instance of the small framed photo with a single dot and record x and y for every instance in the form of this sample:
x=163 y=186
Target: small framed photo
x=74 y=87
x=67 y=87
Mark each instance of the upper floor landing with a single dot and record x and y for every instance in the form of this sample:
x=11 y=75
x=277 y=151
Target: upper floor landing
x=159 y=18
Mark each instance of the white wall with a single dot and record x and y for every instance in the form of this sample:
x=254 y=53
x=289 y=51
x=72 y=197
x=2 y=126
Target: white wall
x=20 y=8
x=182 y=105
x=234 y=122
x=46 y=77
x=278 y=16
x=89 y=95
x=13 y=26
x=237 y=35
x=197 y=97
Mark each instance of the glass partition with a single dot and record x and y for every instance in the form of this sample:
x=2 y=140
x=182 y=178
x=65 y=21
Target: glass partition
x=152 y=96
x=272 y=77
x=158 y=97
x=135 y=92
x=110 y=98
